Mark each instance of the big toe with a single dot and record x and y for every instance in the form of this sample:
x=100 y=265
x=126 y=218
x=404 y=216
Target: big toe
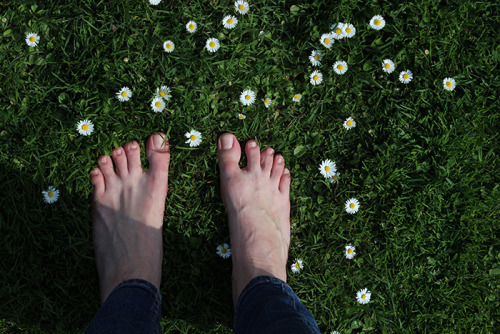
x=229 y=151
x=158 y=153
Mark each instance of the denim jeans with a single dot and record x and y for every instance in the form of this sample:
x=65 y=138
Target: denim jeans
x=266 y=305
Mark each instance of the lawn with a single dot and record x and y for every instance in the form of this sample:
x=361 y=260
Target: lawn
x=421 y=160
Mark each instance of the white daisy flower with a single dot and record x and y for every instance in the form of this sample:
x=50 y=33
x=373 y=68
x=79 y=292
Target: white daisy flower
x=224 y=251
x=154 y=2
x=163 y=92
x=377 y=22
x=297 y=98
x=50 y=195
x=338 y=31
x=316 y=78
x=335 y=332
x=315 y=58
x=212 y=44
x=32 y=39
x=124 y=94
x=267 y=102
x=352 y=205
x=241 y=116
x=426 y=52
x=350 y=252
x=297 y=266
x=327 y=40
x=405 y=76
x=85 y=127
x=349 y=30
x=340 y=67
x=241 y=7
x=229 y=22
x=247 y=97
x=158 y=104
x=168 y=46
x=194 y=138
x=334 y=178
x=388 y=66
x=363 y=296
x=449 y=84
x=191 y=26
x=327 y=168
x=349 y=123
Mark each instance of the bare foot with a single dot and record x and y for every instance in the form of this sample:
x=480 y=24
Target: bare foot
x=258 y=206
x=128 y=214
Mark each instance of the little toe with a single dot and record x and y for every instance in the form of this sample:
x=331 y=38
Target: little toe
x=133 y=158
x=158 y=153
x=229 y=153
x=252 y=151
x=120 y=159
x=106 y=166
x=266 y=160
x=278 y=166
x=98 y=181
x=285 y=182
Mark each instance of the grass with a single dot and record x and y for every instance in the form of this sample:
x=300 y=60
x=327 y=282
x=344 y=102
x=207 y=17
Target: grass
x=422 y=161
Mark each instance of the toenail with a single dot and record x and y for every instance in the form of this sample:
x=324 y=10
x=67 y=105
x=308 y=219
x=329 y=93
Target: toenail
x=271 y=151
x=252 y=144
x=159 y=142
x=94 y=172
x=133 y=146
x=103 y=160
x=118 y=152
x=286 y=171
x=280 y=159
x=226 y=141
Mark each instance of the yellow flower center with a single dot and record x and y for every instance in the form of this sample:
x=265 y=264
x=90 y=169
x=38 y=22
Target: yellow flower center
x=193 y=137
x=340 y=67
x=169 y=46
x=387 y=65
x=223 y=250
x=212 y=44
x=85 y=127
x=363 y=296
x=448 y=83
x=32 y=39
x=266 y=101
x=315 y=78
x=327 y=168
x=297 y=265
x=50 y=194
x=348 y=30
x=377 y=22
x=162 y=93
x=349 y=123
x=247 y=97
x=338 y=31
x=327 y=41
x=352 y=205
x=405 y=76
x=191 y=26
x=316 y=57
x=158 y=104
x=124 y=94
x=4 y=20
x=334 y=177
x=242 y=116
x=349 y=251
x=296 y=97
x=241 y=7
x=230 y=21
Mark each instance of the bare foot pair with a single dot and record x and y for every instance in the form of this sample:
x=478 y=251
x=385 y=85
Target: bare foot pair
x=129 y=207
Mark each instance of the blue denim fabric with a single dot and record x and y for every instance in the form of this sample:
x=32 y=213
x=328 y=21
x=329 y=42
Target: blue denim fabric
x=269 y=305
x=134 y=306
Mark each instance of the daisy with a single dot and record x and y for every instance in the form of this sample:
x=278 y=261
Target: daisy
x=126 y=59
x=154 y=2
x=241 y=116
x=349 y=123
x=315 y=58
x=340 y=67
x=85 y=127
x=349 y=30
x=350 y=252
x=224 y=251
x=338 y=32
x=335 y=332
x=4 y=19
x=168 y=46
x=352 y=205
x=297 y=98
x=426 y=52
x=449 y=84
x=297 y=266
x=124 y=94
x=191 y=26
x=229 y=22
x=267 y=102
x=158 y=104
x=388 y=66
x=50 y=195
x=327 y=168
x=212 y=44
x=377 y=22
x=163 y=92
x=241 y=7
x=363 y=296
x=405 y=76
x=247 y=97
x=316 y=78
x=327 y=40
x=194 y=138
x=334 y=178
x=32 y=39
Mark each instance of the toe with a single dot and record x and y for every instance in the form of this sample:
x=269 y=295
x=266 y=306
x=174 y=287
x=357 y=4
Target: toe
x=229 y=152
x=252 y=151
x=120 y=159
x=278 y=166
x=266 y=160
x=106 y=166
x=133 y=158
x=285 y=182
x=98 y=181
x=158 y=153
